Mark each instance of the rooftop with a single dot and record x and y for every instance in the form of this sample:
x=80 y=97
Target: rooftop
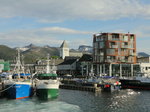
x=64 y=45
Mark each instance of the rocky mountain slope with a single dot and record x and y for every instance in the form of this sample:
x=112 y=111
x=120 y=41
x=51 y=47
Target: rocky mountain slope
x=30 y=53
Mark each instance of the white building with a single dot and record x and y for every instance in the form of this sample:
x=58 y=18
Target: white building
x=145 y=67
x=144 y=63
x=64 y=50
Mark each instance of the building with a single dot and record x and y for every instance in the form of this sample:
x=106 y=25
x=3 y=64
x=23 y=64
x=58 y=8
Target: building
x=144 y=63
x=143 y=59
x=41 y=65
x=64 y=50
x=114 y=53
x=68 y=67
x=84 y=65
x=75 y=53
x=4 y=66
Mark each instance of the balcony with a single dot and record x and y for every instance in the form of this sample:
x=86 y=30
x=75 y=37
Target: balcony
x=123 y=60
x=110 y=60
x=101 y=54
x=125 y=46
x=131 y=53
x=114 y=46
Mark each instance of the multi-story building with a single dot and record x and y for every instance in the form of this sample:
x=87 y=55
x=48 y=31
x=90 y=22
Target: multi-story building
x=114 y=53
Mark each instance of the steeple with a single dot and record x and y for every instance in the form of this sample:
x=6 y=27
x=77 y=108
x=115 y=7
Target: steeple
x=64 y=45
x=64 y=50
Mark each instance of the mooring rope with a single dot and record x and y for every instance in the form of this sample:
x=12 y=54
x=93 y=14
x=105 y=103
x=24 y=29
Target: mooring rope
x=7 y=88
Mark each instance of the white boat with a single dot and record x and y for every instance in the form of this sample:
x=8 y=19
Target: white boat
x=47 y=84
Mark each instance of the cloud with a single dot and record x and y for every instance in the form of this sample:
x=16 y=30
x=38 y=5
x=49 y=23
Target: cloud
x=142 y=31
x=60 y=10
x=64 y=30
x=52 y=36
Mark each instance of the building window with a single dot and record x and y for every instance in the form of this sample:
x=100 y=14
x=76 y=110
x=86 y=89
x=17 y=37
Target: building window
x=110 y=51
x=146 y=68
x=101 y=44
x=125 y=38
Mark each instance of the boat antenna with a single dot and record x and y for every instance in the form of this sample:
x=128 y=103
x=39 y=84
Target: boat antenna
x=47 y=67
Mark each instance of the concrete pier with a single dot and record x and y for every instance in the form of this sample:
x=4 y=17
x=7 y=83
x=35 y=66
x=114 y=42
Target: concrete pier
x=79 y=85
x=81 y=88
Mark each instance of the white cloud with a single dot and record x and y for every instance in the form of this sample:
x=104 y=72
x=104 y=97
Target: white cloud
x=59 y=10
x=64 y=30
x=52 y=36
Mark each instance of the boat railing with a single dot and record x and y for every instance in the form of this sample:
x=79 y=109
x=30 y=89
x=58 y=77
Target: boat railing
x=130 y=78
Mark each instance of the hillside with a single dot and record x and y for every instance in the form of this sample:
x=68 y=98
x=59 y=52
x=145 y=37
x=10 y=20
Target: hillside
x=30 y=55
x=35 y=53
x=142 y=54
x=7 y=53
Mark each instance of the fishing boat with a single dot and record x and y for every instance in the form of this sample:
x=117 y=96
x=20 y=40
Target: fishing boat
x=18 y=86
x=141 y=81
x=47 y=84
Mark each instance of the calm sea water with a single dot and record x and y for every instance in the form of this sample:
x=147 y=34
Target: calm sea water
x=80 y=101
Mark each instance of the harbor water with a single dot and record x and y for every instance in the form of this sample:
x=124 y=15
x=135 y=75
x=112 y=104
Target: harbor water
x=81 y=101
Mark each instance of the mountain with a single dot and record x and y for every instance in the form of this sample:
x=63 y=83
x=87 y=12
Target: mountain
x=35 y=53
x=25 y=48
x=142 y=54
x=85 y=48
x=30 y=46
x=7 y=53
x=31 y=52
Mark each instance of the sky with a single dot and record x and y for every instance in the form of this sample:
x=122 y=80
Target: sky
x=49 y=22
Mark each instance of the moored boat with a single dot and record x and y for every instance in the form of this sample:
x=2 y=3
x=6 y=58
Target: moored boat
x=47 y=84
x=141 y=81
x=110 y=86
x=18 y=86
x=16 y=89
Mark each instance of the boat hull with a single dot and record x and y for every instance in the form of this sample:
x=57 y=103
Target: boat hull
x=47 y=89
x=109 y=87
x=134 y=84
x=18 y=91
x=46 y=94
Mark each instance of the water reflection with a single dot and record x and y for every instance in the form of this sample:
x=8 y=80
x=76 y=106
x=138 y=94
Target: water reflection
x=82 y=101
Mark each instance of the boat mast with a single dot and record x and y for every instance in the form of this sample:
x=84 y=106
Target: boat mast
x=47 y=67
x=18 y=66
x=22 y=66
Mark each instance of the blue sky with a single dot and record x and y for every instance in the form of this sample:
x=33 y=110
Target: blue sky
x=49 y=22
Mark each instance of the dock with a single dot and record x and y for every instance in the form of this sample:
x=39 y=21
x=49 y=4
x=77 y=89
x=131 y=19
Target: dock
x=74 y=85
x=81 y=88
x=81 y=85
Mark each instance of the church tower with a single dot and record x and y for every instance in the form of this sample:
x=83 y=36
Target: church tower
x=64 y=50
